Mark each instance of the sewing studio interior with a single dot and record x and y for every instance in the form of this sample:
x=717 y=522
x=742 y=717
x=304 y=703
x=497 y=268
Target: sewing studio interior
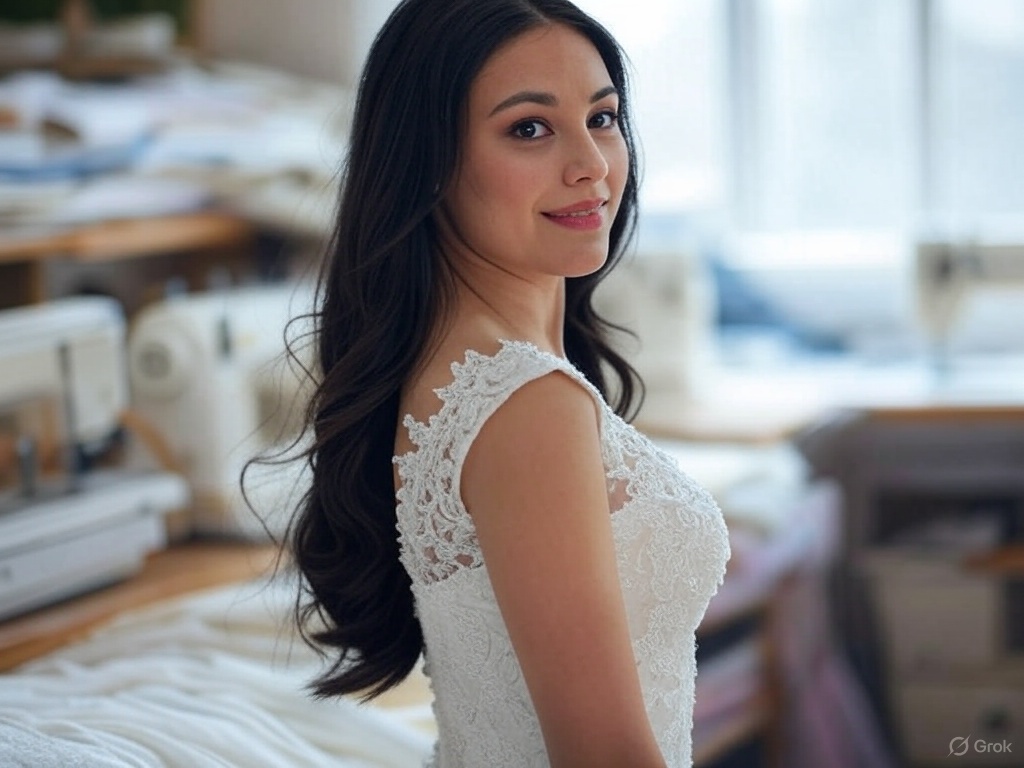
x=824 y=294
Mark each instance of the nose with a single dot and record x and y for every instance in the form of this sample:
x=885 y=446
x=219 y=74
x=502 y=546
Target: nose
x=585 y=161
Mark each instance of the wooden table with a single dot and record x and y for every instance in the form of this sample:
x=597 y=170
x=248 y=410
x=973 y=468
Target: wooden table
x=208 y=236
x=181 y=569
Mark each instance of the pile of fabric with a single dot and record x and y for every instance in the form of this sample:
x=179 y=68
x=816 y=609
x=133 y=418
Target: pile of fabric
x=215 y=679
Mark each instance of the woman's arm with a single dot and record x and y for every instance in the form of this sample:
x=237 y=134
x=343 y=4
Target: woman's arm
x=535 y=486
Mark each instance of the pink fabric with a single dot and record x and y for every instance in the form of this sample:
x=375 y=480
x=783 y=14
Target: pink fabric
x=827 y=721
x=729 y=682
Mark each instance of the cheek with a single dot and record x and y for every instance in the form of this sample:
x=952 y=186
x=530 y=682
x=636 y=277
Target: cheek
x=487 y=204
x=500 y=189
x=618 y=167
x=617 y=158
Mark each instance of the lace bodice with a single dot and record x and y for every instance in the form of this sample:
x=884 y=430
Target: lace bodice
x=671 y=549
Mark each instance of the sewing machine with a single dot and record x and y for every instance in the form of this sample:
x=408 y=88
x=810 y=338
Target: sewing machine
x=66 y=528
x=949 y=275
x=208 y=372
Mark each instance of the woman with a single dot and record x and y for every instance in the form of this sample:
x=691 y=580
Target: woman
x=550 y=563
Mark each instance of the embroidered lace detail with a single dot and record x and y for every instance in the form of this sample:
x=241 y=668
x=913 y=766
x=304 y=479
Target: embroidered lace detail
x=671 y=548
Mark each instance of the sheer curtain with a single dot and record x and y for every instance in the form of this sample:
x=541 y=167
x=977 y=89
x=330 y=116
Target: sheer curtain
x=978 y=114
x=835 y=115
x=824 y=114
x=677 y=51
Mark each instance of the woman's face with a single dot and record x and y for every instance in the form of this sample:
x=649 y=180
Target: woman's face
x=542 y=161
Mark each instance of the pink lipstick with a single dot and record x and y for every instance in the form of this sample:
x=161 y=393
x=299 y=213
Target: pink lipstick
x=582 y=215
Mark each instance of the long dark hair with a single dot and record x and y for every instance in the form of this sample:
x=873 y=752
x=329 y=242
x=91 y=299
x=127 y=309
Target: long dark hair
x=383 y=296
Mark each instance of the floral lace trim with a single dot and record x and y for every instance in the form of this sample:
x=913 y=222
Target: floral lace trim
x=436 y=533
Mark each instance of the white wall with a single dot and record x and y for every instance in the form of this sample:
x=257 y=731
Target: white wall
x=325 y=39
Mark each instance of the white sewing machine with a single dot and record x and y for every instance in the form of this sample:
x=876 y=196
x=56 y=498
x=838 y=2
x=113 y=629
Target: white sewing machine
x=65 y=529
x=949 y=276
x=208 y=372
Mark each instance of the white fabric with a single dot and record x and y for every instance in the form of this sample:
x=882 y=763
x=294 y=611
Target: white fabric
x=671 y=545
x=211 y=681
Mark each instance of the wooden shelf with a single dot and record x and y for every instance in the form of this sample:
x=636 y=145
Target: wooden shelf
x=169 y=573
x=193 y=243
x=128 y=238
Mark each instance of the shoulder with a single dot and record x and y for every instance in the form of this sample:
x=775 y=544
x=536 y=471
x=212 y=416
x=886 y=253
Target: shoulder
x=544 y=437
x=523 y=393
x=478 y=380
x=468 y=408
x=548 y=400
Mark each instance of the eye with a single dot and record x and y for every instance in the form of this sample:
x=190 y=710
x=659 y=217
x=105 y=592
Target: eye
x=604 y=119
x=530 y=129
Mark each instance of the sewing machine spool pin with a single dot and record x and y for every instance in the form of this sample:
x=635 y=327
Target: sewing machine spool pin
x=28 y=466
x=72 y=457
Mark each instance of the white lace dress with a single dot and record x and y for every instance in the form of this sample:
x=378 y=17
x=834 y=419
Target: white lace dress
x=671 y=545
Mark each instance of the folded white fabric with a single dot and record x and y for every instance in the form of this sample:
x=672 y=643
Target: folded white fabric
x=211 y=680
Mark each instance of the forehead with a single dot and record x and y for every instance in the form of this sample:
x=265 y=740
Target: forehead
x=551 y=58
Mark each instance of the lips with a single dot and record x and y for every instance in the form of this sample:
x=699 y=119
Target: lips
x=580 y=209
x=582 y=216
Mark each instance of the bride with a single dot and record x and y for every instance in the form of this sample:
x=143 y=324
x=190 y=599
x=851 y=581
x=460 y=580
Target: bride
x=478 y=496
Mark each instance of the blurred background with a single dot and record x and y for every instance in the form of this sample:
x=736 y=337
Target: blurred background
x=828 y=292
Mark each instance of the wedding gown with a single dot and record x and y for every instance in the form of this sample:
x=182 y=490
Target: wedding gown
x=671 y=547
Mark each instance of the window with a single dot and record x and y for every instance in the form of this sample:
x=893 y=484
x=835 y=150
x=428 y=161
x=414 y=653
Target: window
x=834 y=114
x=821 y=139
x=977 y=56
x=829 y=114
x=678 y=57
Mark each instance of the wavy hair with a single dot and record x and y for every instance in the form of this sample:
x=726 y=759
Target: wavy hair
x=382 y=299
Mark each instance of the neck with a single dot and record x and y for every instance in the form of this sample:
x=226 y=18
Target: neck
x=510 y=306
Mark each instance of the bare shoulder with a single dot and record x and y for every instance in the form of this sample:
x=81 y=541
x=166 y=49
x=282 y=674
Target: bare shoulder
x=548 y=405
x=546 y=431
x=532 y=404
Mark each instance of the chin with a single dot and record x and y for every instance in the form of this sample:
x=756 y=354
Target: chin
x=587 y=264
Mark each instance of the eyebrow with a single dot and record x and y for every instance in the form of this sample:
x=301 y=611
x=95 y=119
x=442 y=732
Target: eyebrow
x=545 y=99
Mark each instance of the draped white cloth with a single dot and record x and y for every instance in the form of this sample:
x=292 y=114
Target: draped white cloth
x=215 y=679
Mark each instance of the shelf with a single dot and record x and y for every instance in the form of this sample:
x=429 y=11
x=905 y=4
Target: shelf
x=127 y=238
